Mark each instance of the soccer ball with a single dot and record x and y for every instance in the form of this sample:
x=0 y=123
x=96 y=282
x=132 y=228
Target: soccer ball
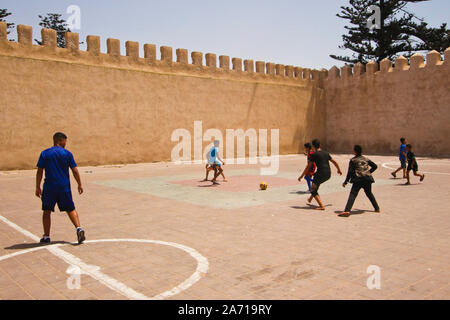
x=263 y=186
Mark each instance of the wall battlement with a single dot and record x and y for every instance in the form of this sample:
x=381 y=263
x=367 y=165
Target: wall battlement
x=202 y=64
x=386 y=66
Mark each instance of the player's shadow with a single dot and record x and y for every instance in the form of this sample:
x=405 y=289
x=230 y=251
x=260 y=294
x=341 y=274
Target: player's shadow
x=300 y=192
x=353 y=212
x=309 y=207
x=208 y=185
x=35 y=245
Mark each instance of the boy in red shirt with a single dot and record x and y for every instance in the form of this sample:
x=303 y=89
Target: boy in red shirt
x=309 y=176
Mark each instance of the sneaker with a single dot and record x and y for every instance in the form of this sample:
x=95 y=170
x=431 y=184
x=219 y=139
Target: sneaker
x=422 y=177
x=44 y=240
x=80 y=236
x=394 y=175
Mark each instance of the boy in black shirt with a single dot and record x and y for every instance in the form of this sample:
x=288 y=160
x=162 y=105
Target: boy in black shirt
x=412 y=164
x=321 y=159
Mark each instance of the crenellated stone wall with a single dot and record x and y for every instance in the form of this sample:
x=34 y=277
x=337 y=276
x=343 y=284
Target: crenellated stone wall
x=374 y=105
x=124 y=108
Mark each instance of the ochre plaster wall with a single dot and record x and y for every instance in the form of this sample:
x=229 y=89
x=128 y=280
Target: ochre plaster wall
x=123 y=109
x=375 y=108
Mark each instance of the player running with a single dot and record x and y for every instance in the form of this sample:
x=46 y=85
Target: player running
x=214 y=160
x=309 y=175
x=321 y=159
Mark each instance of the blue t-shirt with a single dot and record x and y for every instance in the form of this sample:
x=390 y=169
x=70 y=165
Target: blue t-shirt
x=56 y=162
x=402 y=149
x=213 y=155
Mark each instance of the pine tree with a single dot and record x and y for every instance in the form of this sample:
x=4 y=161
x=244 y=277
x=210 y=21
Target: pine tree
x=3 y=14
x=433 y=38
x=55 y=22
x=401 y=32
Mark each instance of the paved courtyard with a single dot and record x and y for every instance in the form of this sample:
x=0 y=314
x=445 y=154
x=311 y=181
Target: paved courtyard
x=156 y=231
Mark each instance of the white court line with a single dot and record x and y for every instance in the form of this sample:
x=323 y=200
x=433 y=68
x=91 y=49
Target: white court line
x=86 y=269
x=385 y=165
x=113 y=284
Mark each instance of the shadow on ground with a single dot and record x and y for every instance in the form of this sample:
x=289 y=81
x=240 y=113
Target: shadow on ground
x=300 y=192
x=309 y=207
x=353 y=212
x=37 y=244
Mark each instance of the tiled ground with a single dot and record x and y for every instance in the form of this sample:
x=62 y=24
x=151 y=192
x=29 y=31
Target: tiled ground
x=259 y=244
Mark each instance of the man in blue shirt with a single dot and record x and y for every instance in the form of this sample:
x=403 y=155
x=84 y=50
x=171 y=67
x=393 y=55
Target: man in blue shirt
x=402 y=158
x=56 y=162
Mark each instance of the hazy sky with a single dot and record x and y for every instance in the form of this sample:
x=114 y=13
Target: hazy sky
x=291 y=32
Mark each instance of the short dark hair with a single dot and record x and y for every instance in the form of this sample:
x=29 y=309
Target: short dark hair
x=358 y=149
x=402 y=140
x=409 y=146
x=307 y=145
x=57 y=137
x=316 y=143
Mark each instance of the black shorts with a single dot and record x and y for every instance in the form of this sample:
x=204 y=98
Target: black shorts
x=320 y=178
x=403 y=163
x=414 y=168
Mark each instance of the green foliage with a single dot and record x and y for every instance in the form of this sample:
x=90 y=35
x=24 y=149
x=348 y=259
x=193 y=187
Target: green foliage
x=401 y=32
x=55 y=22
x=3 y=14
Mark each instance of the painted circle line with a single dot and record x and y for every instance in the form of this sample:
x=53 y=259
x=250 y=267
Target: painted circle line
x=202 y=262
x=386 y=165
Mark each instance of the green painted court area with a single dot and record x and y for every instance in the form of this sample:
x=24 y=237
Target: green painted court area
x=240 y=191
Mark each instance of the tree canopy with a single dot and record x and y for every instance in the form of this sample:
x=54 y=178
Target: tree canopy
x=55 y=22
x=3 y=14
x=401 y=32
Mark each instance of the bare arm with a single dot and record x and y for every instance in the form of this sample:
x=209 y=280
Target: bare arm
x=220 y=159
x=77 y=177
x=307 y=169
x=39 y=174
x=337 y=166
